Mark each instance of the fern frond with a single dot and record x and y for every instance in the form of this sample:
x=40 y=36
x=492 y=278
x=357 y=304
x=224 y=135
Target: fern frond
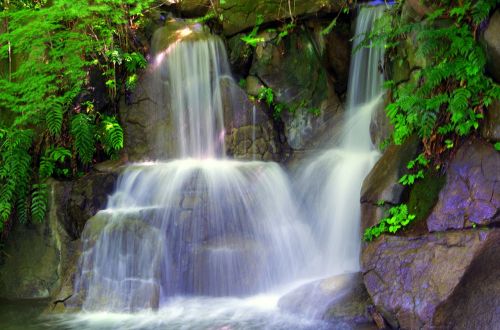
x=82 y=130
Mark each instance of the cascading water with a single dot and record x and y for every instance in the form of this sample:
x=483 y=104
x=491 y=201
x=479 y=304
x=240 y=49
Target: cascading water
x=212 y=243
x=331 y=182
x=198 y=225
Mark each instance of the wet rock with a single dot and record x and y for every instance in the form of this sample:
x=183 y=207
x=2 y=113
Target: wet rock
x=425 y=282
x=293 y=69
x=337 y=54
x=492 y=43
x=192 y=8
x=240 y=15
x=472 y=192
x=381 y=188
x=380 y=126
x=81 y=199
x=240 y=56
x=250 y=132
x=491 y=125
x=341 y=298
x=35 y=255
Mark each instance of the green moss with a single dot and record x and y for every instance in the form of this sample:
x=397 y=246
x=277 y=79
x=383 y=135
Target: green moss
x=424 y=195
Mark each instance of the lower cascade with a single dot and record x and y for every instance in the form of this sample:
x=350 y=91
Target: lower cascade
x=201 y=236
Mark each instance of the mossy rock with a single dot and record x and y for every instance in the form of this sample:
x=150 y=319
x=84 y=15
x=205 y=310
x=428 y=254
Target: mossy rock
x=425 y=194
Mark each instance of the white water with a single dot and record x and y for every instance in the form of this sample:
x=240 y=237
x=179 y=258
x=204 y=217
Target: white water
x=331 y=182
x=206 y=243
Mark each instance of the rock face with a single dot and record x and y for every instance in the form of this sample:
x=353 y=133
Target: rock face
x=491 y=126
x=81 y=199
x=418 y=282
x=381 y=188
x=240 y=15
x=34 y=256
x=293 y=69
x=492 y=42
x=250 y=132
x=342 y=299
x=472 y=192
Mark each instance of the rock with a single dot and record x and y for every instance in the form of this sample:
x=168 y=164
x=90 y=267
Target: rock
x=240 y=56
x=35 y=255
x=472 y=191
x=420 y=7
x=192 y=8
x=337 y=54
x=491 y=126
x=381 y=187
x=341 y=298
x=81 y=199
x=437 y=280
x=250 y=133
x=492 y=43
x=293 y=69
x=240 y=15
x=380 y=126
x=125 y=276
x=253 y=85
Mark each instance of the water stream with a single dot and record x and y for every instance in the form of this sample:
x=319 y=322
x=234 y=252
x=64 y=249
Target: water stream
x=203 y=242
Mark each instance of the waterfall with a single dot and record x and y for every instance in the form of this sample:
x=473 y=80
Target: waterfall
x=331 y=182
x=198 y=225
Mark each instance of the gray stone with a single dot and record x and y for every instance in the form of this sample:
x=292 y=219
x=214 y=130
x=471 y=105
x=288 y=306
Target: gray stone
x=341 y=298
x=425 y=282
x=240 y=15
x=381 y=187
x=293 y=69
x=36 y=255
x=491 y=125
x=492 y=42
x=472 y=192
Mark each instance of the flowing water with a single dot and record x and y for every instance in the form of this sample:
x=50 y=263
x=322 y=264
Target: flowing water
x=331 y=182
x=203 y=242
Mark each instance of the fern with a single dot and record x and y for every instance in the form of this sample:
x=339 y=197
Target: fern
x=39 y=202
x=54 y=119
x=111 y=134
x=83 y=133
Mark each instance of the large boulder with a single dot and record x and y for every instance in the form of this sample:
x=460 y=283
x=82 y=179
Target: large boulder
x=240 y=15
x=250 y=132
x=35 y=255
x=492 y=42
x=443 y=280
x=341 y=299
x=81 y=199
x=491 y=126
x=471 y=195
x=381 y=188
x=293 y=69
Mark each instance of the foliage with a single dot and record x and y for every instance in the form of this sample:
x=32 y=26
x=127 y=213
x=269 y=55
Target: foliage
x=49 y=48
x=397 y=219
x=251 y=38
x=444 y=99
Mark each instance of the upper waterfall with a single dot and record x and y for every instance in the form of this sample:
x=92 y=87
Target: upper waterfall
x=189 y=72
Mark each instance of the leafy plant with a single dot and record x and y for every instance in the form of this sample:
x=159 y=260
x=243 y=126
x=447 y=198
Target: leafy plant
x=398 y=218
x=49 y=49
x=251 y=38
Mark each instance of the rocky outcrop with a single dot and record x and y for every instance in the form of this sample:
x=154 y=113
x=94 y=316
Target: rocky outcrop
x=492 y=42
x=491 y=125
x=81 y=199
x=381 y=188
x=418 y=282
x=240 y=15
x=250 y=132
x=341 y=299
x=471 y=195
x=294 y=69
x=34 y=257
